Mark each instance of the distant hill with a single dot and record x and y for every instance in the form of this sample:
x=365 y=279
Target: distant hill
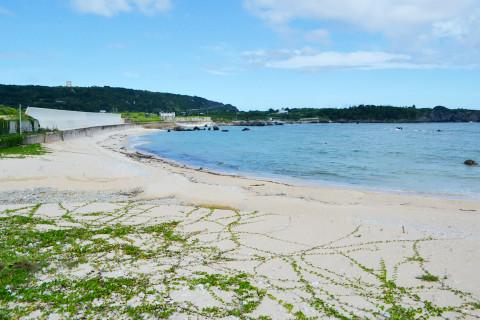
x=94 y=99
x=371 y=113
x=362 y=113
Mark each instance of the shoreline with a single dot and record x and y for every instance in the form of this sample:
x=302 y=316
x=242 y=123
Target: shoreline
x=118 y=143
x=292 y=181
x=170 y=164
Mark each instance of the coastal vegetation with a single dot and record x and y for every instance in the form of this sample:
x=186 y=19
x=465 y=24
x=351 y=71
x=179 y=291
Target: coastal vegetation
x=428 y=277
x=11 y=140
x=96 y=261
x=140 y=117
x=12 y=145
x=9 y=113
x=21 y=151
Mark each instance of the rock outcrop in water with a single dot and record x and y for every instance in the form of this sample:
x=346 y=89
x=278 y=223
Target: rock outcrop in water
x=470 y=163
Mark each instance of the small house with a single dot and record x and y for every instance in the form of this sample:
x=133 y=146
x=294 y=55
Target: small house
x=10 y=126
x=10 y=122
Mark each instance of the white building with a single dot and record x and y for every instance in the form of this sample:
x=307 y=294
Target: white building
x=167 y=116
x=67 y=120
x=11 y=126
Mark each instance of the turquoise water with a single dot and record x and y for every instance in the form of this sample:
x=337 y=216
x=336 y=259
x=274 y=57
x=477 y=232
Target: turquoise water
x=425 y=158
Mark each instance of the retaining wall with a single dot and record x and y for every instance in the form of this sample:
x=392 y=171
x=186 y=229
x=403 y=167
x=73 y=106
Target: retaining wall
x=70 y=120
x=73 y=134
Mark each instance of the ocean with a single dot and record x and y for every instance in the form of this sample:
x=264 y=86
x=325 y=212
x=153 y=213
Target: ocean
x=422 y=158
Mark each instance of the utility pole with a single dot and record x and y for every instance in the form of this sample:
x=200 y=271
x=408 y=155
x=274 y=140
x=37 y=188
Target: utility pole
x=20 y=118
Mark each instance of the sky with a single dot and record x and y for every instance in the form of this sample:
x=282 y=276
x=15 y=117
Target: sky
x=254 y=54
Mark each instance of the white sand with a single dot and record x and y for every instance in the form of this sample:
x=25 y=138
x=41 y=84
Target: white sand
x=293 y=218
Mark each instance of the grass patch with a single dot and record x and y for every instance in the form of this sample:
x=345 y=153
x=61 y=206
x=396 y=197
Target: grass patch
x=246 y=296
x=26 y=253
x=166 y=230
x=428 y=277
x=22 y=151
x=141 y=117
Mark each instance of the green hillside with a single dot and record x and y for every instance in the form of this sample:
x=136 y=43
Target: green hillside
x=94 y=99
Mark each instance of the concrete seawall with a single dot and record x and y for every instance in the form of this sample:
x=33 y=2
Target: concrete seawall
x=73 y=134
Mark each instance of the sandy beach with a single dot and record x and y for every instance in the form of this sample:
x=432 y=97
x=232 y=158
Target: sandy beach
x=250 y=248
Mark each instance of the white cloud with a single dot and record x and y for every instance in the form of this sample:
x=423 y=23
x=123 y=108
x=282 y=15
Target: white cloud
x=109 y=8
x=464 y=29
x=429 y=31
x=385 y=16
x=309 y=59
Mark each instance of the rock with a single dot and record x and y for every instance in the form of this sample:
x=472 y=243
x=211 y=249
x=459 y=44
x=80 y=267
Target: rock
x=224 y=130
x=196 y=129
x=215 y=128
x=245 y=129
x=139 y=155
x=256 y=123
x=470 y=163
x=399 y=128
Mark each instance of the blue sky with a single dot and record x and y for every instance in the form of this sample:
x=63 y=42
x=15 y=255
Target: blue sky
x=254 y=54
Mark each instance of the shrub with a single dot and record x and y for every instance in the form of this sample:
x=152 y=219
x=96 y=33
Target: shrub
x=428 y=277
x=11 y=140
